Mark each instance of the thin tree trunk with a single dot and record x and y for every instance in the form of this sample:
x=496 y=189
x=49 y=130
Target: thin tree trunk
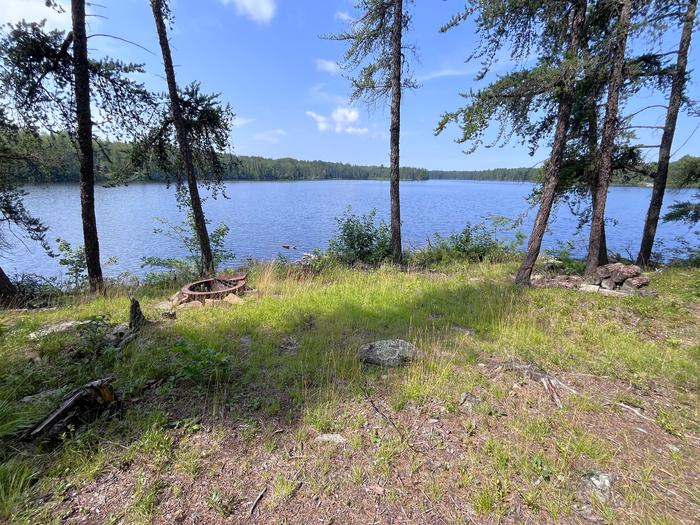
x=8 y=291
x=395 y=131
x=81 y=74
x=592 y=168
x=557 y=154
x=607 y=145
x=603 y=252
x=674 y=105
x=183 y=141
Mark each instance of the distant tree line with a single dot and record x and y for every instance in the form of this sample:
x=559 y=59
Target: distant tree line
x=58 y=162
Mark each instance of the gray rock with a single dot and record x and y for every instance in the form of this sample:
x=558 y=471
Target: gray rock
x=635 y=283
x=591 y=288
x=58 y=328
x=468 y=401
x=332 y=438
x=191 y=304
x=42 y=396
x=604 y=271
x=600 y=484
x=607 y=284
x=623 y=272
x=232 y=298
x=177 y=299
x=164 y=306
x=289 y=345
x=593 y=278
x=389 y=353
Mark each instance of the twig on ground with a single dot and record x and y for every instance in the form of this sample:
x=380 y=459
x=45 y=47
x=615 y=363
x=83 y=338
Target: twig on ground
x=388 y=419
x=257 y=500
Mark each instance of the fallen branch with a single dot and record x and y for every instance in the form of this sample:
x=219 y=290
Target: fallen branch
x=257 y=500
x=91 y=398
x=535 y=373
x=389 y=420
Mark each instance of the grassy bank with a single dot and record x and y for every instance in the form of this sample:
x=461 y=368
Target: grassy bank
x=224 y=405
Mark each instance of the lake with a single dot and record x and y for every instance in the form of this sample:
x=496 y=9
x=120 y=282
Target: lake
x=265 y=215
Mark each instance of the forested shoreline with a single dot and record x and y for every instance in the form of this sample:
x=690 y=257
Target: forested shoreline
x=58 y=162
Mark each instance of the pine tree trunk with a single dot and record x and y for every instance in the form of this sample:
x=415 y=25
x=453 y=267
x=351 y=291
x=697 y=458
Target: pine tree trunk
x=395 y=131
x=607 y=145
x=8 y=291
x=183 y=141
x=592 y=168
x=81 y=74
x=603 y=252
x=674 y=105
x=557 y=154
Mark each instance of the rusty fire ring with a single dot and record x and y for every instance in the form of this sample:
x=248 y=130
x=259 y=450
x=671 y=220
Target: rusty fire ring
x=214 y=288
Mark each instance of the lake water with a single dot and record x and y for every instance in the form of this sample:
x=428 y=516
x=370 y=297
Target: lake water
x=264 y=215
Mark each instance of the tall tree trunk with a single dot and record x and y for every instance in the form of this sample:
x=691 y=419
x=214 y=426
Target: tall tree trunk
x=183 y=140
x=607 y=144
x=8 y=291
x=674 y=104
x=592 y=168
x=557 y=154
x=395 y=131
x=81 y=74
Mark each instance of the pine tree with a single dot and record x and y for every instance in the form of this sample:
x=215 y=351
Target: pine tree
x=50 y=84
x=610 y=131
x=201 y=129
x=376 y=46
x=678 y=88
x=529 y=102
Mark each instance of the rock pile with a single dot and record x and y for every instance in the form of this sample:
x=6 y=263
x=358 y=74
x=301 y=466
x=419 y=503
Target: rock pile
x=626 y=278
x=616 y=279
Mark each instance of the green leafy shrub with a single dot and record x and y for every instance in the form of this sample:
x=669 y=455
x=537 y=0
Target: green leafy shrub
x=361 y=239
x=203 y=366
x=476 y=243
x=73 y=260
x=186 y=235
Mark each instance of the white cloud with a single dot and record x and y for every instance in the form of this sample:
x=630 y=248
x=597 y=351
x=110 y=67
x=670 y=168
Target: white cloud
x=258 y=10
x=239 y=122
x=321 y=121
x=272 y=136
x=342 y=120
x=35 y=11
x=327 y=66
x=446 y=72
x=343 y=16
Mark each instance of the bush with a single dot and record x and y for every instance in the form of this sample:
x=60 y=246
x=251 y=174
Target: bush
x=563 y=261
x=476 y=243
x=361 y=239
x=191 y=265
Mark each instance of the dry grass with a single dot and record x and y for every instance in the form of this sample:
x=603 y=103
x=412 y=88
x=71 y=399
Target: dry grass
x=453 y=438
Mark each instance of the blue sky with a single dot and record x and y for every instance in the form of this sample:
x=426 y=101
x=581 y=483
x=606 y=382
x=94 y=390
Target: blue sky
x=266 y=59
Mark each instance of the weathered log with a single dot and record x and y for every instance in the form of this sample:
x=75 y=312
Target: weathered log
x=88 y=400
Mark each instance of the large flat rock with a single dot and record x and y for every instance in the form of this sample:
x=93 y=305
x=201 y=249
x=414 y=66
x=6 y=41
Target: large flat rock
x=388 y=353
